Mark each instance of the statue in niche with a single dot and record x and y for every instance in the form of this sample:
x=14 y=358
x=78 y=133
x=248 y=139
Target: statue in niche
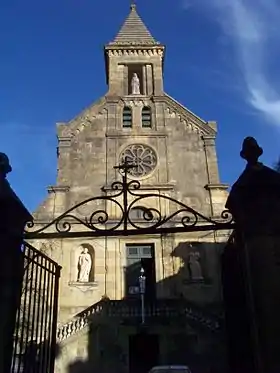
x=195 y=266
x=84 y=266
x=135 y=85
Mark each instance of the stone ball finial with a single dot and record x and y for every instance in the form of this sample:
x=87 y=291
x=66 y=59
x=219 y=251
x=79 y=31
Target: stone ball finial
x=251 y=151
x=5 y=166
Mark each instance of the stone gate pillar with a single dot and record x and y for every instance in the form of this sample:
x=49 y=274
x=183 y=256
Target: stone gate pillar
x=254 y=202
x=13 y=217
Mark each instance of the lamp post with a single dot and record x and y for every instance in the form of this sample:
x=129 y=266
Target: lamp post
x=142 y=284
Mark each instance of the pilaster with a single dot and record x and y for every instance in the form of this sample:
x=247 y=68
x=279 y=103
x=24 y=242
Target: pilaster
x=158 y=79
x=150 y=85
x=211 y=158
x=144 y=80
x=112 y=107
x=63 y=162
x=57 y=203
x=217 y=191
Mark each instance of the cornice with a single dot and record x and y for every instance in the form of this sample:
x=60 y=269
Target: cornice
x=139 y=51
x=58 y=188
x=64 y=142
x=216 y=186
x=168 y=186
x=112 y=98
x=131 y=134
x=136 y=97
x=192 y=120
x=133 y=46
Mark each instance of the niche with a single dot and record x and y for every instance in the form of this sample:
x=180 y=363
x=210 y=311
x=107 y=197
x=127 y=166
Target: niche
x=85 y=263
x=135 y=69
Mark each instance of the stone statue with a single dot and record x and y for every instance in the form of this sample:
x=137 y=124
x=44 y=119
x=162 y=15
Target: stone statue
x=195 y=267
x=135 y=85
x=84 y=266
x=251 y=151
x=5 y=166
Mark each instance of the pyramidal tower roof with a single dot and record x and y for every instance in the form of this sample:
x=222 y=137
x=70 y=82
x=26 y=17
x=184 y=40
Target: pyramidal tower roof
x=134 y=31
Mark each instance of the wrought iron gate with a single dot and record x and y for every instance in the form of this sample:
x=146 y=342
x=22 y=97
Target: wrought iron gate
x=35 y=332
x=127 y=196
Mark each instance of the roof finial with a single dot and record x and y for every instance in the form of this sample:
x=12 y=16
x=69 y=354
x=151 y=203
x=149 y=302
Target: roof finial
x=132 y=5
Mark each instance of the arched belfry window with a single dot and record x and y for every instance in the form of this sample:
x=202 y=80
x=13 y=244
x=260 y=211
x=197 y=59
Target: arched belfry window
x=146 y=117
x=127 y=117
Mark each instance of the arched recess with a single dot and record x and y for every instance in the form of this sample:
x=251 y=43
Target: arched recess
x=127 y=117
x=146 y=117
x=91 y=251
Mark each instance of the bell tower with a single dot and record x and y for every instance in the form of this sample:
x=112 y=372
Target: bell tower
x=134 y=60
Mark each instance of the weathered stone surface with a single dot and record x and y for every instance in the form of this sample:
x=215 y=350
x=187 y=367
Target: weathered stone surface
x=89 y=147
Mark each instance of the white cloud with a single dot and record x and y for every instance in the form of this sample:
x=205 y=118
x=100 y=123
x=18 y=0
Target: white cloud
x=253 y=27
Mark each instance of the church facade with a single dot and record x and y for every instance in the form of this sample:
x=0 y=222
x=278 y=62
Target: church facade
x=100 y=317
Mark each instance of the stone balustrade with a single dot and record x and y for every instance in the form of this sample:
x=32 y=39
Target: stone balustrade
x=78 y=322
x=130 y=311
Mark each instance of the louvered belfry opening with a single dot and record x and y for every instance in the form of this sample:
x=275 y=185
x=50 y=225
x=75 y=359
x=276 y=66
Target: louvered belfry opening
x=127 y=117
x=146 y=117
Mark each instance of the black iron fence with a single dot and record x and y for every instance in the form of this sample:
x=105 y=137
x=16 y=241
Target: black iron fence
x=35 y=331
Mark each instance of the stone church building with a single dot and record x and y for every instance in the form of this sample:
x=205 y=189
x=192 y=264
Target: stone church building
x=174 y=152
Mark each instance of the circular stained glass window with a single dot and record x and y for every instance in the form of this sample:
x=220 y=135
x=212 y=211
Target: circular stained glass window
x=143 y=157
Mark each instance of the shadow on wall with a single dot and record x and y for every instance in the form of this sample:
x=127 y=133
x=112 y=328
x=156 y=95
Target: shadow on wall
x=80 y=366
x=36 y=357
x=198 y=278
x=184 y=327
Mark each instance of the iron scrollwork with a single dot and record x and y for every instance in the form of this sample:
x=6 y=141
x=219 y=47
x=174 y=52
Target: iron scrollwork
x=148 y=220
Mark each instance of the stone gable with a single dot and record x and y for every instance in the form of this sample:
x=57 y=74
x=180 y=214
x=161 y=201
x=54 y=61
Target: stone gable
x=176 y=158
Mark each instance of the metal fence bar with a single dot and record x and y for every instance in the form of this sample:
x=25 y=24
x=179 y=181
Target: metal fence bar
x=19 y=347
x=54 y=319
x=38 y=334
x=41 y=321
x=36 y=322
x=45 y=354
x=50 y=320
x=43 y=359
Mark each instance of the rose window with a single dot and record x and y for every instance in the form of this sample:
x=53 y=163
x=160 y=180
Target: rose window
x=142 y=157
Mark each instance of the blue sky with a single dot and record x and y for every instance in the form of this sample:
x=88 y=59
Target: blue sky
x=222 y=62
